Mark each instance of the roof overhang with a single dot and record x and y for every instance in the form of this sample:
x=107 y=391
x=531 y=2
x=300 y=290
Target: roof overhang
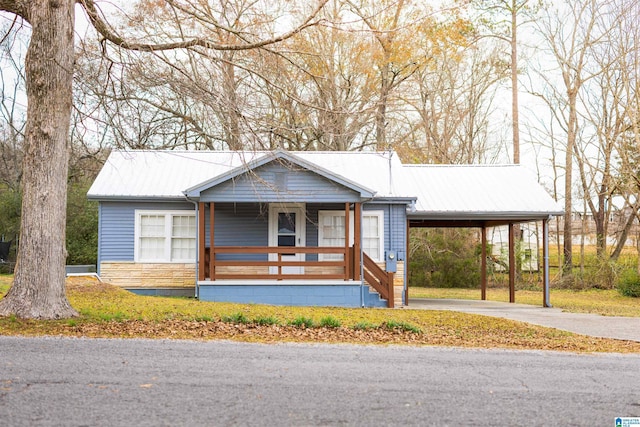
x=475 y=219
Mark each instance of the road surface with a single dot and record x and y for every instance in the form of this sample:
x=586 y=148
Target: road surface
x=102 y=382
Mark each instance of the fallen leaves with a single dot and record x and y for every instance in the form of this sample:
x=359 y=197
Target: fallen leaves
x=111 y=312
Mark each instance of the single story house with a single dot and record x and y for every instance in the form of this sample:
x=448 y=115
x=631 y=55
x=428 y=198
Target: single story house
x=289 y=228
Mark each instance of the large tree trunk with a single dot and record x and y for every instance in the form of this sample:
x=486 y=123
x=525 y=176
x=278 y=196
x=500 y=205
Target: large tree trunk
x=38 y=290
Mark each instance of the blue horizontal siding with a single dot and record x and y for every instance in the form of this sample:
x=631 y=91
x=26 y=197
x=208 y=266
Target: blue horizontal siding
x=277 y=182
x=117 y=227
x=395 y=226
x=240 y=224
x=237 y=224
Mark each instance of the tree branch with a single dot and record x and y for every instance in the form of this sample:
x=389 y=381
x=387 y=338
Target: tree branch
x=109 y=34
x=17 y=7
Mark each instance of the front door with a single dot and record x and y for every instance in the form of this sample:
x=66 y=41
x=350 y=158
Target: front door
x=287 y=229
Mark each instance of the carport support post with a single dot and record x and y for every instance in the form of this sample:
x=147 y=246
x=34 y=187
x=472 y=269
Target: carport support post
x=483 y=264
x=545 y=263
x=512 y=264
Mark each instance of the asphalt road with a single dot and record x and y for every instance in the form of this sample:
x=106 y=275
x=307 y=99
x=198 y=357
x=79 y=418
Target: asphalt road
x=99 y=382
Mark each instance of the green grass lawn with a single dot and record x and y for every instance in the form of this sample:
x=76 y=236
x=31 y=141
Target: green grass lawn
x=107 y=311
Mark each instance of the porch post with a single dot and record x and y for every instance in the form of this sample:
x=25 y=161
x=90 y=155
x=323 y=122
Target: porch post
x=212 y=255
x=483 y=264
x=545 y=263
x=512 y=264
x=357 y=237
x=347 y=258
x=201 y=243
x=407 y=262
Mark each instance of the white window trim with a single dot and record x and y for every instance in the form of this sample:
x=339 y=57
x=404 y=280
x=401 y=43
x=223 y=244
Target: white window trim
x=167 y=235
x=378 y=214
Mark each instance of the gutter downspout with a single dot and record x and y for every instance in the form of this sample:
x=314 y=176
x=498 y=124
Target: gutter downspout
x=197 y=288
x=361 y=266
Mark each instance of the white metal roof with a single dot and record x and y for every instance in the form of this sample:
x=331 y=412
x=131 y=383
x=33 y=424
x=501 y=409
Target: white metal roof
x=470 y=192
x=148 y=174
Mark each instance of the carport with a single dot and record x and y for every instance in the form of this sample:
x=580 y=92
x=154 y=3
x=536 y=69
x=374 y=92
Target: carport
x=482 y=196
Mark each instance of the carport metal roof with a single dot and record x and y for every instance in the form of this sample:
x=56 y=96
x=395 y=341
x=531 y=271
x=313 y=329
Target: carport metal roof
x=476 y=195
x=481 y=196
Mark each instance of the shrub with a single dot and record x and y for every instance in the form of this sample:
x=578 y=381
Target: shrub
x=235 y=318
x=266 y=321
x=629 y=284
x=364 y=326
x=402 y=326
x=329 y=322
x=302 y=322
x=444 y=258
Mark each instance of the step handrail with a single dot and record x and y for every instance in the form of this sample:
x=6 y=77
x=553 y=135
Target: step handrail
x=380 y=280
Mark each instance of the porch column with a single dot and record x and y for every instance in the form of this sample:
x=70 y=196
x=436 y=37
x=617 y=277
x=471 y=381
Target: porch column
x=357 y=238
x=512 y=264
x=483 y=264
x=212 y=255
x=201 y=243
x=545 y=263
x=407 y=262
x=347 y=258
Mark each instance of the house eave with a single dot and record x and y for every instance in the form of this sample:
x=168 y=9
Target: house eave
x=394 y=200
x=112 y=198
x=510 y=216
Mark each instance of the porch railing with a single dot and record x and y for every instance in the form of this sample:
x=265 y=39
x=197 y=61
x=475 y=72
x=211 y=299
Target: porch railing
x=275 y=267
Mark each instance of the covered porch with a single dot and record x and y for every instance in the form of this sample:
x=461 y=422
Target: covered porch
x=290 y=269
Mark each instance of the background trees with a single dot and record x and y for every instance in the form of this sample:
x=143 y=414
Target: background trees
x=329 y=75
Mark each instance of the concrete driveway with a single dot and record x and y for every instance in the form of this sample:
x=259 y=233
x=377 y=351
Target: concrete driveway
x=623 y=328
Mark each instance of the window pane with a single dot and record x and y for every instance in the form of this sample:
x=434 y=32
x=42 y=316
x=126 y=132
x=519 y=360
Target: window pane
x=371 y=247
x=286 y=240
x=370 y=226
x=183 y=249
x=333 y=231
x=183 y=242
x=371 y=236
x=151 y=248
x=152 y=225
x=184 y=226
x=152 y=237
x=286 y=223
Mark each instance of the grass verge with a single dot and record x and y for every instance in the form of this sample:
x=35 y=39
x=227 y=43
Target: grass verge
x=106 y=311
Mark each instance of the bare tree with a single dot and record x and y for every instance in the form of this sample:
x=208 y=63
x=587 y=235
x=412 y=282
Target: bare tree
x=570 y=32
x=452 y=96
x=505 y=17
x=12 y=110
x=38 y=289
x=390 y=23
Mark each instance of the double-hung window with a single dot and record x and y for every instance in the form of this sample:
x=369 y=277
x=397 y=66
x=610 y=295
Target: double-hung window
x=331 y=232
x=165 y=236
